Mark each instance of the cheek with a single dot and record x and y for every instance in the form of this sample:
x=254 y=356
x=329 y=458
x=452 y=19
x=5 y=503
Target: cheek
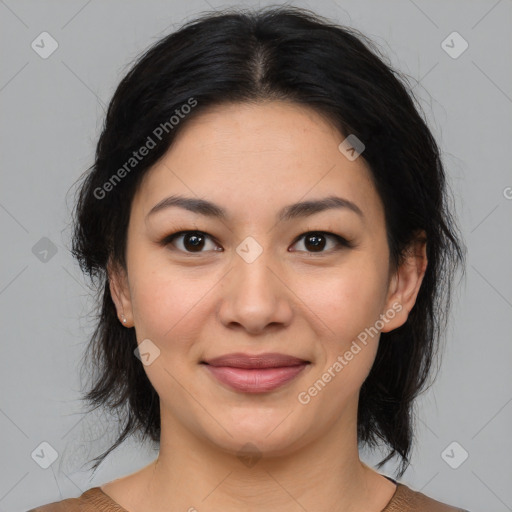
x=347 y=299
x=165 y=303
x=348 y=303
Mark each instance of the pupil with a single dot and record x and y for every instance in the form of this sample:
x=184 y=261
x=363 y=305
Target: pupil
x=195 y=241
x=317 y=245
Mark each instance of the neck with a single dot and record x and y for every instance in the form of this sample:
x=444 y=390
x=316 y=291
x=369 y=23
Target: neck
x=192 y=473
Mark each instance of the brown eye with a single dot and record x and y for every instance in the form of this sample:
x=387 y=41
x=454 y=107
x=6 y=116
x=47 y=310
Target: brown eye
x=192 y=241
x=316 y=241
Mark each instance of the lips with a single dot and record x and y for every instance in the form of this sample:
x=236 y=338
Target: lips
x=268 y=360
x=255 y=373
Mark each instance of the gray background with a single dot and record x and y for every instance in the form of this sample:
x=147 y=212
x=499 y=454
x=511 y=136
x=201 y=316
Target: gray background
x=52 y=110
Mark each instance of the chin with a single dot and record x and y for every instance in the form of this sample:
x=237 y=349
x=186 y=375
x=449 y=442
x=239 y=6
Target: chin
x=268 y=439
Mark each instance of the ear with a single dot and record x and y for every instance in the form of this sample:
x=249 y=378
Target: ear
x=405 y=283
x=120 y=292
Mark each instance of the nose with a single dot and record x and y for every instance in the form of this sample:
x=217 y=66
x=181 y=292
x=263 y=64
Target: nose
x=255 y=296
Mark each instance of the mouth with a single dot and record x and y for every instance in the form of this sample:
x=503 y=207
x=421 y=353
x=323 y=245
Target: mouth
x=255 y=361
x=255 y=373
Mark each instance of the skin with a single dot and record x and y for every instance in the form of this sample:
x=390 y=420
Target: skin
x=252 y=160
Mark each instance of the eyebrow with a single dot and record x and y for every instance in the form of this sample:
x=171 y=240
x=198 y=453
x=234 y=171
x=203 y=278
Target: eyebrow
x=292 y=211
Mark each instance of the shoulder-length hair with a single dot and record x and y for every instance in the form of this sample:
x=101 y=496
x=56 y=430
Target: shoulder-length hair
x=288 y=54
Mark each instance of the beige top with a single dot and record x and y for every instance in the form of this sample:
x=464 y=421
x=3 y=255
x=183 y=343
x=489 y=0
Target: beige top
x=95 y=500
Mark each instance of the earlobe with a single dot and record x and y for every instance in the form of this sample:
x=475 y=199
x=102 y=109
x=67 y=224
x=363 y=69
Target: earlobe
x=120 y=293
x=406 y=282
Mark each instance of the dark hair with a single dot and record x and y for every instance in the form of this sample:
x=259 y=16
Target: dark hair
x=289 y=54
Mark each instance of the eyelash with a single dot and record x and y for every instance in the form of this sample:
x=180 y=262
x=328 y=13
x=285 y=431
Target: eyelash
x=341 y=241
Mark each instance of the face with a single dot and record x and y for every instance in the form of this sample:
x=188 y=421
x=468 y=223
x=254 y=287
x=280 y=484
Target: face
x=314 y=284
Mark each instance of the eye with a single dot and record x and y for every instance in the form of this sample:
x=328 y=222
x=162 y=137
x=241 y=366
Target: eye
x=316 y=241
x=193 y=241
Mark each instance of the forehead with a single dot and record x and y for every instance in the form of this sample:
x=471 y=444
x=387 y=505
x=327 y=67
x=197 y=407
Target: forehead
x=256 y=158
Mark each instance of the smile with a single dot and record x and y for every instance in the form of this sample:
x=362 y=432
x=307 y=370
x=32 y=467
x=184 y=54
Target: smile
x=255 y=380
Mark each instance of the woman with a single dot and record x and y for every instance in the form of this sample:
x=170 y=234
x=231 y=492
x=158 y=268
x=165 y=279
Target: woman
x=267 y=221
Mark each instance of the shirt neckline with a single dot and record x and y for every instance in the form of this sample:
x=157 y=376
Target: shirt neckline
x=107 y=500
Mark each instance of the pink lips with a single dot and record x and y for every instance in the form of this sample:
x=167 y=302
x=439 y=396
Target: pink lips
x=255 y=373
